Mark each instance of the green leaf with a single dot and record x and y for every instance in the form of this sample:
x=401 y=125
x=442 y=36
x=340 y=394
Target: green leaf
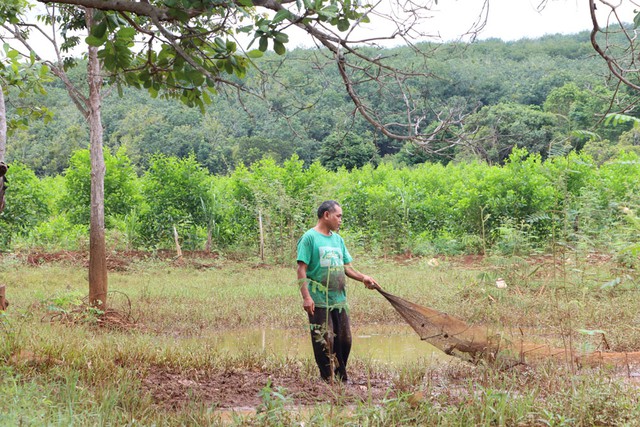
x=98 y=31
x=205 y=97
x=245 y=29
x=255 y=53
x=264 y=44
x=343 y=24
x=636 y=21
x=196 y=77
x=94 y=41
x=615 y=119
x=12 y=54
x=281 y=37
x=221 y=44
x=330 y=11
x=127 y=32
x=279 y=47
x=280 y=16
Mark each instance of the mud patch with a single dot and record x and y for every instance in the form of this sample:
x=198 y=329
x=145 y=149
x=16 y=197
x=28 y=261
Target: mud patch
x=228 y=389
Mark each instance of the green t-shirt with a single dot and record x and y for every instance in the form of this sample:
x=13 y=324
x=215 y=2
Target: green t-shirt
x=325 y=257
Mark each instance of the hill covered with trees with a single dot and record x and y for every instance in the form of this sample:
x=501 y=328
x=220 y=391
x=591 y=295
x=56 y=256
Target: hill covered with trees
x=543 y=94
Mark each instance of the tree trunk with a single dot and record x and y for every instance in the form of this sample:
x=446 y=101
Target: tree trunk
x=261 y=235
x=97 y=244
x=177 y=240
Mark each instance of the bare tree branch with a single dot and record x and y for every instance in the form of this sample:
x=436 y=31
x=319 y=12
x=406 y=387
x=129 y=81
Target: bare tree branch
x=623 y=65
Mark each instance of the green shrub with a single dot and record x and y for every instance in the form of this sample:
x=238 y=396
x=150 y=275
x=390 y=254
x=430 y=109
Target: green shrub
x=26 y=204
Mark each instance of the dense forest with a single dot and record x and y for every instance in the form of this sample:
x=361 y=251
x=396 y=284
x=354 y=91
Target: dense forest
x=533 y=163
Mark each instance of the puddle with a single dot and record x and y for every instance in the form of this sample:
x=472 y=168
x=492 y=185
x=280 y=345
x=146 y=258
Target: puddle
x=392 y=345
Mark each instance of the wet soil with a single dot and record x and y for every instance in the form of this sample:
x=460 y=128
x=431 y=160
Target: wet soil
x=237 y=388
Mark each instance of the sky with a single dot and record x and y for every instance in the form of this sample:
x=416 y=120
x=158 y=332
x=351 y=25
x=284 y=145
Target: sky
x=508 y=20
x=517 y=19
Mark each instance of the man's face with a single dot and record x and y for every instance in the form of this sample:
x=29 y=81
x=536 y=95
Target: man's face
x=334 y=218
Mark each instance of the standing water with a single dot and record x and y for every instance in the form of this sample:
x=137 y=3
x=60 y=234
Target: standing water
x=393 y=345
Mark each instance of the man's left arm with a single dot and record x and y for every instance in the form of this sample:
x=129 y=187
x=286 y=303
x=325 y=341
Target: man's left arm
x=368 y=281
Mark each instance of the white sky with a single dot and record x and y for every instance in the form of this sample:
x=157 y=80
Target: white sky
x=507 y=19
x=517 y=19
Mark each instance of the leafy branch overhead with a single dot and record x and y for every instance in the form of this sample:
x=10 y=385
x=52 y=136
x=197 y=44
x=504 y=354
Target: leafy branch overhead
x=189 y=49
x=26 y=77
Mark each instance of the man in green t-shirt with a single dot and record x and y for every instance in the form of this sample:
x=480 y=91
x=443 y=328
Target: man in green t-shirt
x=324 y=263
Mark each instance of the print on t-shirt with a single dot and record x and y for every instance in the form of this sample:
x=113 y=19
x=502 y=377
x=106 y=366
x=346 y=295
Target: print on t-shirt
x=331 y=259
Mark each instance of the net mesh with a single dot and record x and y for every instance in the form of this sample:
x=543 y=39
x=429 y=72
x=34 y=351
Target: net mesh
x=472 y=342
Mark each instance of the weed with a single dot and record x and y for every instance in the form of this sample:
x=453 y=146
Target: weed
x=272 y=409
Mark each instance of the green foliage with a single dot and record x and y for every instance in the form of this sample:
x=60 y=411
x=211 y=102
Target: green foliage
x=272 y=410
x=26 y=203
x=12 y=333
x=283 y=196
x=427 y=209
x=25 y=77
x=495 y=131
x=176 y=193
x=57 y=233
x=197 y=52
x=348 y=150
x=121 y=187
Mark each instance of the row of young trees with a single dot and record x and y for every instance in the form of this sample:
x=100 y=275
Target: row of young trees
x=469 y=207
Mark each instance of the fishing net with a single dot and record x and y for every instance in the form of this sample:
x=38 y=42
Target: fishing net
x=473 y=342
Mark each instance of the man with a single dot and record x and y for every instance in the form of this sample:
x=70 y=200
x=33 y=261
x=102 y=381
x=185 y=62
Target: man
x=3 y=183
x=323 y=265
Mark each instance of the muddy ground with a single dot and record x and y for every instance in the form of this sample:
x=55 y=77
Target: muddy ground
x=230 y=389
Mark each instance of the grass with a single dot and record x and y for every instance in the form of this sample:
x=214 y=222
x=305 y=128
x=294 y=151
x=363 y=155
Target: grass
x=54 y=373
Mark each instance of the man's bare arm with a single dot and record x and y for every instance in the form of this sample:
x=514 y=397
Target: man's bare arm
x=368 y=281
x=307 y=302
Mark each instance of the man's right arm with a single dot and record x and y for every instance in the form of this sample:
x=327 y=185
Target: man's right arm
x=307 y=302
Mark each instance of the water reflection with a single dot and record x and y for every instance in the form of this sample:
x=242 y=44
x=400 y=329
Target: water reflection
x=394 y=345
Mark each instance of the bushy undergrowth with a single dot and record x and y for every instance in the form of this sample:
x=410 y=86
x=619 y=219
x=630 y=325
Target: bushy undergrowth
x=523 y=206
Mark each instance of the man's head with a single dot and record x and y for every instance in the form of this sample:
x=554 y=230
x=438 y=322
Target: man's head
x=330 y=214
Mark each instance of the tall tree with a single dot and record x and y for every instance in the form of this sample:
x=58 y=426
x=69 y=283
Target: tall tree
x=185 y=48
x=18 y=28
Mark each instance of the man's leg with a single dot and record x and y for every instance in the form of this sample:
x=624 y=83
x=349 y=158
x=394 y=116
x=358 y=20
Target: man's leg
x=342 y=341
x=322 y=341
